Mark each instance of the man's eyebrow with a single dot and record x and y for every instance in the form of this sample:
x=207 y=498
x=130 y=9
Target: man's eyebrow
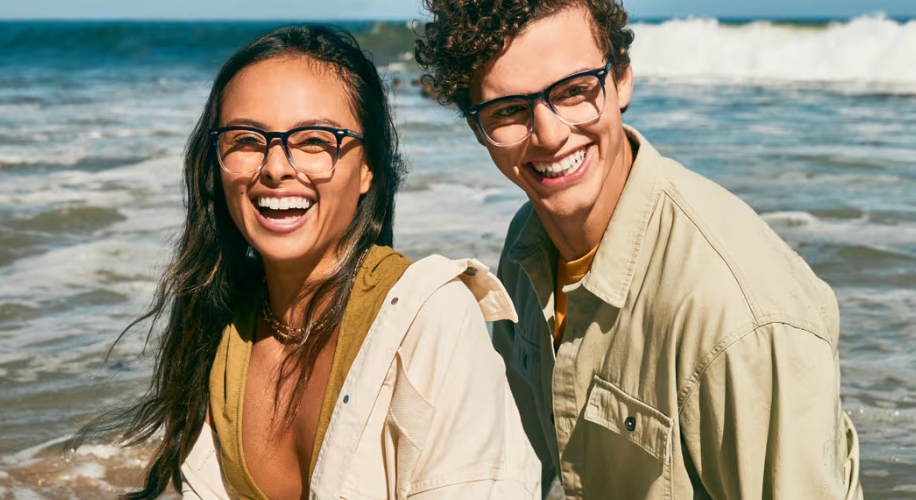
x=572 y=73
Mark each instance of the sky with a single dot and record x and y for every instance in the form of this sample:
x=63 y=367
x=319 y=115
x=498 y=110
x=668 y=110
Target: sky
x=410 y=9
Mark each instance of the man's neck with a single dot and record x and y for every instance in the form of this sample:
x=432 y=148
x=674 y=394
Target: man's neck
x=575 y=235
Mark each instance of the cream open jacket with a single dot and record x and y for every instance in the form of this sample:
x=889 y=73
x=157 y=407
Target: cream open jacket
x=425 y=412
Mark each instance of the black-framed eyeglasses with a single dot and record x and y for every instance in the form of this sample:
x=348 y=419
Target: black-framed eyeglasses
x=311 y=150
x=576 y=99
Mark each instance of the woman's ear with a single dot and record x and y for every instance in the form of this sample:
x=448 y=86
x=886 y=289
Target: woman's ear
x=365 y=178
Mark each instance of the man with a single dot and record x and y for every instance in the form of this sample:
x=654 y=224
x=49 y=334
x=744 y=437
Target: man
x=669 y=345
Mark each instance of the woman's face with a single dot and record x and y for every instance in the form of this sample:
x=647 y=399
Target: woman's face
x=289 y=216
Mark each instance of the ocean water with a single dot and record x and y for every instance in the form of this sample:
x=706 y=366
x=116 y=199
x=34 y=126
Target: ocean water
x=814 y=125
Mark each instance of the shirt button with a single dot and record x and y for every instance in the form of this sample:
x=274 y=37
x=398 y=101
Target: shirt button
x=346 y=398
x=630 y=423
x=394 y=301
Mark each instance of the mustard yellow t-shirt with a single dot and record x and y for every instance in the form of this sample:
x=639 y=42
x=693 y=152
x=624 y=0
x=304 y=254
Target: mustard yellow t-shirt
x=567 y=274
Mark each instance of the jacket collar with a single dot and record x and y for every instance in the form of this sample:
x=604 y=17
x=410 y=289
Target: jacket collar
x=620 y=245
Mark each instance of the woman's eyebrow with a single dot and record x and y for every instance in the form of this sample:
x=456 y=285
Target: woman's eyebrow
x=246 y=122
x=311 y=122
x=324 y=122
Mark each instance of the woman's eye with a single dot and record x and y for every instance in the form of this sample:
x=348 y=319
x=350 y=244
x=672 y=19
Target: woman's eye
x=248 y=139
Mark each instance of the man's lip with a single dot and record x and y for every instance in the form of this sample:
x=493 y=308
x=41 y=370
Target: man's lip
x=557 y=157
x=567 y=180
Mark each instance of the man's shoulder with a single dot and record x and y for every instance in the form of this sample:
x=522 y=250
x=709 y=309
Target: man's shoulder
x=517 y=227
x=519 y=222
x=737 y=259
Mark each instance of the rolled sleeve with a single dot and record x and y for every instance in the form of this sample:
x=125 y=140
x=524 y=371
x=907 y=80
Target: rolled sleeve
x=764 y=418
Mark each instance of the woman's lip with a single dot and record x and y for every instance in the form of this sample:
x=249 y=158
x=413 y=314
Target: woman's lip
x=281 y=226
x=568 y=179
x=254 y=197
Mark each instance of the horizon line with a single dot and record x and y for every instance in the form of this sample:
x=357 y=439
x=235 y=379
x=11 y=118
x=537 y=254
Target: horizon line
x=633 y=20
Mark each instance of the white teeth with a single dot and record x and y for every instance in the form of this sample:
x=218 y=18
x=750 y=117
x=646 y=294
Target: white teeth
x=283 y=203
x=565 y=166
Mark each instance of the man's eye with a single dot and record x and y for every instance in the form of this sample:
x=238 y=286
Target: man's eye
x=509 y=111
x=573 y=92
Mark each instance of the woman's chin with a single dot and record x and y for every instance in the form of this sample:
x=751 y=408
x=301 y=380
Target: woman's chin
x=284 y=256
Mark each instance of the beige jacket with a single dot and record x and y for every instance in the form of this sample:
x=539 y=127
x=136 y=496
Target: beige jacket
x=699 y=358
x=425 y=412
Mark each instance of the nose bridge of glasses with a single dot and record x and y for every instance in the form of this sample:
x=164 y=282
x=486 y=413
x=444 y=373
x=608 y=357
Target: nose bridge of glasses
x=272 y=139
x=547 y=126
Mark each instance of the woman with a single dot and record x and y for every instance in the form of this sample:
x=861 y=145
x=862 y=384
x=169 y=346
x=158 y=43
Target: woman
x=302 y=356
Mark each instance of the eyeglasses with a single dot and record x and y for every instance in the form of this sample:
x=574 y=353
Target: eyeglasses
x=310 y=150
x=509 y=120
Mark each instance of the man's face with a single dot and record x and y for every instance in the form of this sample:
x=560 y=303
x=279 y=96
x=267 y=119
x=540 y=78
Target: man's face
x=562 y=168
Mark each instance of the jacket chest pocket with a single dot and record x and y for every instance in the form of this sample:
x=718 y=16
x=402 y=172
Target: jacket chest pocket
x=627 y=445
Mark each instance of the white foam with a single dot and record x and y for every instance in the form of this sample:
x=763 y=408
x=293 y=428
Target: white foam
x=866 y=52
x=104 y=451
x=803 y=226
x=456 y=221
x=87 y=470
x=789 y=218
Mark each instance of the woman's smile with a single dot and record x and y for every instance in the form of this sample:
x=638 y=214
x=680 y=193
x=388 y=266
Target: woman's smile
x=283 y=213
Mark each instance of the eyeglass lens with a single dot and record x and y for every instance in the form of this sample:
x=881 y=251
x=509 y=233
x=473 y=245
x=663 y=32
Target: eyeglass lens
x=575 y=101
x=310 y=151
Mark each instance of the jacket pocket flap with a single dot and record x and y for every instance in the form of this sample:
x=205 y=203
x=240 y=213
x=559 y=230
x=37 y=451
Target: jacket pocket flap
x=617 y=411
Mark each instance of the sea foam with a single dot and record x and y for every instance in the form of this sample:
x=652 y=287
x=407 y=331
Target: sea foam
x=870 y=52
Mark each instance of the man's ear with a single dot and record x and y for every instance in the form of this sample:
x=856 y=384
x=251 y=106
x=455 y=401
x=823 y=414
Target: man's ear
x=480 y=138
x=625 y=88
x=365 y=178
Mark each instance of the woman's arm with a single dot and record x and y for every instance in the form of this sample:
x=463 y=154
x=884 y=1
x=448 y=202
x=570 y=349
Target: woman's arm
x=473 y=445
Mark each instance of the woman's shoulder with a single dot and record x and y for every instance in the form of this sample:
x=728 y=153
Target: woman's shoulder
x=453 y=286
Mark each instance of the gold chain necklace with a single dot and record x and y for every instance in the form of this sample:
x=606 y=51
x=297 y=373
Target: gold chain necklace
x=287 y=333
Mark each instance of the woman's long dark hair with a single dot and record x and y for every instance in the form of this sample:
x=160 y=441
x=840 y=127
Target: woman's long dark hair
x=212 y=267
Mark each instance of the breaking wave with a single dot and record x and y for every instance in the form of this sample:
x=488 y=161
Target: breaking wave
x=871 y=52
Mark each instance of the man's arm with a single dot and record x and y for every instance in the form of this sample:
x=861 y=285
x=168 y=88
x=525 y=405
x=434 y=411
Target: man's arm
x=763 y=419
x=503 y=337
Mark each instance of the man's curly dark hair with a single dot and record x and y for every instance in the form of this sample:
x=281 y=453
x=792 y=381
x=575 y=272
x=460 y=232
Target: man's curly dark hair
x=464 y=34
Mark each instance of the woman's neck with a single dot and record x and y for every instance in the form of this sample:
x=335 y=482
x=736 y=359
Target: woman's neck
x=286 y=286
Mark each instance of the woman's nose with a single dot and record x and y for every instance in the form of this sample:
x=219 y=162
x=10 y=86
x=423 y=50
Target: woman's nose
x=276 y=165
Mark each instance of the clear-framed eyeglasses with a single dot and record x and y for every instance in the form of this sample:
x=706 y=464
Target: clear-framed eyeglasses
x=576 y=99
x=311 y=150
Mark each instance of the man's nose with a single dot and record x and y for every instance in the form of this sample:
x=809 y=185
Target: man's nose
x=547 y=130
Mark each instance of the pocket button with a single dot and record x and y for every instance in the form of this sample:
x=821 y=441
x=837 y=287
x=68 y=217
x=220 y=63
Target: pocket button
x=630 y=424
